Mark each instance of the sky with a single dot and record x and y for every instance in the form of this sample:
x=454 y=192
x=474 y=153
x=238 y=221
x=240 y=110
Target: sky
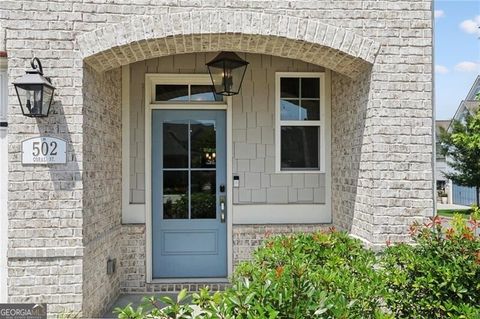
x=456 y=52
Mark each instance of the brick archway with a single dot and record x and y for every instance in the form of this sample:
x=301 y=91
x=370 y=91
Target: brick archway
x=308 y=40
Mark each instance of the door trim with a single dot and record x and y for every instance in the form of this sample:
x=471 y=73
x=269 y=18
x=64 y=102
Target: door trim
x=183 y=78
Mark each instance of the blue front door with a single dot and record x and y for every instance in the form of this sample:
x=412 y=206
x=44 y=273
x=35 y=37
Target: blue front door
x=189 y=237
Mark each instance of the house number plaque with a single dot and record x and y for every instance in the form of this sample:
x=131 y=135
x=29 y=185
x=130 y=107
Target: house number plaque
x=44 y=150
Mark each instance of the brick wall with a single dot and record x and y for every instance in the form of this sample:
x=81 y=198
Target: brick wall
x=102 y=183
x=46 y=203
x=349 y=105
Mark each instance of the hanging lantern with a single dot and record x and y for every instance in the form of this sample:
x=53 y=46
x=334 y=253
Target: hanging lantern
x=34 y=91
x=227 y=70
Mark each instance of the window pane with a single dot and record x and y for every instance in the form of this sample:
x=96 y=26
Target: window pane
x=175 y=145
x=203 y=145
x=290 y=110
x=203 y=192
x=299 y=147
x=175 y=195
x=204 y=93
x=289 y=87
x=310 y=88
x=171 y=92
x=310 y=110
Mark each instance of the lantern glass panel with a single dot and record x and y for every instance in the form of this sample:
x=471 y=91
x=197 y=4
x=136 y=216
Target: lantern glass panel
x=226 y=80
x=47 y=99
x=30 y=98
x=217 y=78
x=227 y=70
x=237 y=78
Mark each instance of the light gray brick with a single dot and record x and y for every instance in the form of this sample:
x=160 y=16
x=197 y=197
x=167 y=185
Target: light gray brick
x=373 y=131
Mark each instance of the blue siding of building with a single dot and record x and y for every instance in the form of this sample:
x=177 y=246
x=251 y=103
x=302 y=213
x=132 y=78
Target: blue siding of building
x=463 y=195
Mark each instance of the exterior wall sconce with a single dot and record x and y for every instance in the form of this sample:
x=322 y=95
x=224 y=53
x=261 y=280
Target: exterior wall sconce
x=34 y=91
x=227 y=70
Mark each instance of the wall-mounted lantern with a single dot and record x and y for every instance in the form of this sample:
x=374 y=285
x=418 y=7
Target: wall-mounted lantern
x=227 y=70
x=34 y=91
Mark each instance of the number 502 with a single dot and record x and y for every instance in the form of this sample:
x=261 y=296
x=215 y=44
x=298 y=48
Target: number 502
x=44 y=148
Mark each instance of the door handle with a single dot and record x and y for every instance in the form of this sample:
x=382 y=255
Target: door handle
x=222 y=208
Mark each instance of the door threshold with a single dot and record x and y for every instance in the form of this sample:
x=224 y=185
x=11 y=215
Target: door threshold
x=207 y=280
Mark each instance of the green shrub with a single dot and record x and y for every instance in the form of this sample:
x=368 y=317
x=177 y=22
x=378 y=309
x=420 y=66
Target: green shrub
x=330 y=275
x=327 y=275
x=320 y=275
x=439 y=277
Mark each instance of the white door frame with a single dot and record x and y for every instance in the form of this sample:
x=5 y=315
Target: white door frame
x=150 y=81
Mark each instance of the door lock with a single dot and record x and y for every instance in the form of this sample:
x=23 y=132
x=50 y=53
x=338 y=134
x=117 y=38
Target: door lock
x=222 y=208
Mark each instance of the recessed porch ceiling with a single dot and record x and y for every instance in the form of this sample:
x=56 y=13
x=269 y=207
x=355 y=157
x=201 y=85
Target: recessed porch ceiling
x=308 y=40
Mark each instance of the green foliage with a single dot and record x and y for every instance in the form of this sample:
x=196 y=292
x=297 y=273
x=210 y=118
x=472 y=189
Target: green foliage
x=330 y=275
x=461 y=146
x=440 y=276
x=161 y=308
x=321 y=275
x=327 y=275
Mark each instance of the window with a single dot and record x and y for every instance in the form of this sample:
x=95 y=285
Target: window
x=300 y=122
x=186 y=93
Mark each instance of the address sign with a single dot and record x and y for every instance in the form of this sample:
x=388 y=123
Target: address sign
x=44 y=150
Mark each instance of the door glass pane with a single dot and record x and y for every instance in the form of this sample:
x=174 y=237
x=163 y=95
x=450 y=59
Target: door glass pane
x=203 y=144
x=175 y=145
x=310 y=88
x=204 y=93
x=175 y=194
x=203 y=194
x=299 y=147
x=310 y=110
x=171 y=92
x=289 y=88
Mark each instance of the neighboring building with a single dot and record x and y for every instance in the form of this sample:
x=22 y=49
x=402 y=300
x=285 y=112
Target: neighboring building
x=444 y=186
x=173 y=185
x=457 y=194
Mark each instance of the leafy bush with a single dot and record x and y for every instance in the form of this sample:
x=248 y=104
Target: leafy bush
x=311 y=275
x=440 y=276
x=330 y=275
x=323 y=275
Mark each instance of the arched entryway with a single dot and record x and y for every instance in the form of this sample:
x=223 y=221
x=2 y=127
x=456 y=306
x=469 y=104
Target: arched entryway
x=117 y=59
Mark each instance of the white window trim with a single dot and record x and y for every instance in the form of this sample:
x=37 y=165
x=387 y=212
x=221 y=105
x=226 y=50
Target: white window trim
x=324 y=115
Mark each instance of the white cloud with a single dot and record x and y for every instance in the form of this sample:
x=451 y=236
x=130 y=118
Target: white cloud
x=441 y=69
x=471 y=26
x=439 y=13
x=467 y=66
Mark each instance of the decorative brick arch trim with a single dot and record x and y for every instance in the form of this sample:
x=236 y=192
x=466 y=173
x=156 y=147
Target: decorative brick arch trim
x=282 y=35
